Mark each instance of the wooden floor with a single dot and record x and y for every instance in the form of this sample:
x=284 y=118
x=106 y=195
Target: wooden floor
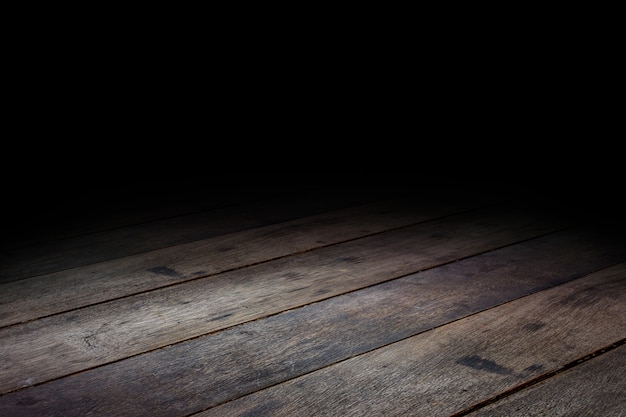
x=347 y=299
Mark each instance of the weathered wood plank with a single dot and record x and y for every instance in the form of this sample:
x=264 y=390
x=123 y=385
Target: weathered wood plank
x=49 y=257
x=40 y=296
x=596 y=387
x=249 y=357
x=114 y=330
x=445 y=370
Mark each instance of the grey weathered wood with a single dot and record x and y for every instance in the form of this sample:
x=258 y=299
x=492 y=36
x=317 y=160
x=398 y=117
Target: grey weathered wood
x=253 y=356
x=49 y=257
x=596 y=387
x=447 y=369
x=36 y=297
x=111 y=331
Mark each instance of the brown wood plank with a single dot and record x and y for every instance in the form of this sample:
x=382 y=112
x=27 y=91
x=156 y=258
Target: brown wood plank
x=111 y=331
x=49 y=257
x=596 y=387
x=41 y=296
x=249 y=357
x=443 y=371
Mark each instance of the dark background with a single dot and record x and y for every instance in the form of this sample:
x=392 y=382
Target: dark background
x=120 y=106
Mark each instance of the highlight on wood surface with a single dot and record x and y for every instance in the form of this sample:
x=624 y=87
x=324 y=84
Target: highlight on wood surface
x=298 y=304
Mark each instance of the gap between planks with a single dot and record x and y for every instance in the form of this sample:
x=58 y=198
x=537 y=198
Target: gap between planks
x=595 y=386
x=173 y=316
x=496 y=401
x=98 y=381
x=140 y=238
x=43 y=296
x=450 y=368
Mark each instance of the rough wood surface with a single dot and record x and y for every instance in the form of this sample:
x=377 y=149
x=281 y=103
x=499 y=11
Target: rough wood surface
x=596 y=387
x=28 y=299
x=440 y=372
x=404 y=299
x=111 y=331
x=300 y=341
x=59 y=255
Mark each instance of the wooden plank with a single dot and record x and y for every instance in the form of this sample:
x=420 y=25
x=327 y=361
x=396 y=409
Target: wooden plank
x=443 y=371
x=597 y=387
x=262 y=353
x=114 y=330
x=49 y=257
x=37 y=297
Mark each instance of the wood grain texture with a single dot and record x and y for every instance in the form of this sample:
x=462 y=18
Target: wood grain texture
x=442 y=371
x=111 y=331
x=594 y=388
x=41 y=296
x=243 y=359
x=325 y=300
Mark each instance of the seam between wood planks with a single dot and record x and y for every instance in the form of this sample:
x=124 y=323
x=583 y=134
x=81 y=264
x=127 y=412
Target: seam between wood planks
x=319 y=301
x=540 y=378
x=328 y=210
x=336 y=204
x=481 y=404
x=192 y=279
